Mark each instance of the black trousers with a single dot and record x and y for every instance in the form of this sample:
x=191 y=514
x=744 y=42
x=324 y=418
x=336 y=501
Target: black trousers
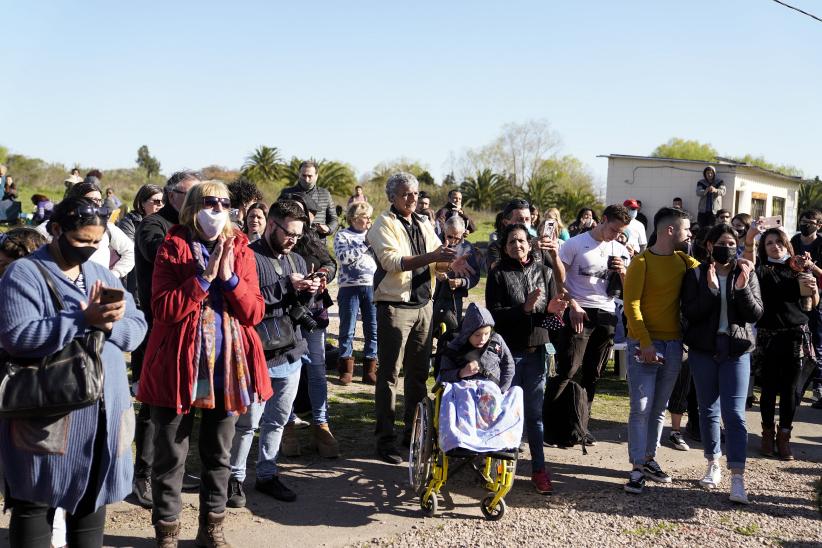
x=585 y=352
x=30 y=524
x=171 y=439
x=781 y=376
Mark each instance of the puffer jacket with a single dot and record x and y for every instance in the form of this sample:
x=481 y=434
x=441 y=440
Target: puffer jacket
x=701 y=306
x=710 y=202
x=495 y=360
x=509 y=283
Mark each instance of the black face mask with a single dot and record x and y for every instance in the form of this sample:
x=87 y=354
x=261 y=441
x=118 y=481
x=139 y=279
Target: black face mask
x=722 y=254
x=807 y=230
x=73 y=255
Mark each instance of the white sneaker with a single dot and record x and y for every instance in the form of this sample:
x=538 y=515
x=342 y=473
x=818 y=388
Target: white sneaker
x=713 y=476
x=738 y=493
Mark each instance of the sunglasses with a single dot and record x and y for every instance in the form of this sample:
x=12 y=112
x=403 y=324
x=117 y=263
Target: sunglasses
x=86 y=212
x=213 y=201
x=156 y=202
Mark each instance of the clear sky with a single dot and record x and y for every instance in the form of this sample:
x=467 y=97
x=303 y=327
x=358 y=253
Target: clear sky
x=363 y=82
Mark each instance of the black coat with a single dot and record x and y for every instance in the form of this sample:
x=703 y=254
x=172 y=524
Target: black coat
x=701 y=306
x=509 y=283
x=149 y=236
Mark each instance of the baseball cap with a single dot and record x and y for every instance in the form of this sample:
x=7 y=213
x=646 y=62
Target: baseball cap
x=631 y=203
x=514 y=205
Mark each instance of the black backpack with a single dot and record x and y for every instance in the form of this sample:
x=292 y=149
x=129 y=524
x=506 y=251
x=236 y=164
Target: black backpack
x=565 y=420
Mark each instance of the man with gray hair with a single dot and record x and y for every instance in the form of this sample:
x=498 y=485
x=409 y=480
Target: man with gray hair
x=148 y=238
x=407 y=250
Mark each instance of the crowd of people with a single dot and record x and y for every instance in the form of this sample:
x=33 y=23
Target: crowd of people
x=226 y=308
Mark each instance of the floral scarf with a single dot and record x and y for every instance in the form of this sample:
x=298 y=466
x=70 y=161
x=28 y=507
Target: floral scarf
x=238 y=391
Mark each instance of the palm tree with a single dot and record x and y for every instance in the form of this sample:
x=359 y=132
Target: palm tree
x=540 y=192
x=569 y=202
x=810 y=195
x=485 y=190
x=337 y=177
x=264 y=165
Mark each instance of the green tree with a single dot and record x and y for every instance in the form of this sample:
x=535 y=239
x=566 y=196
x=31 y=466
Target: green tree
x=569 y=202
x=382 y=171
x=540 y=191
x=426 y=179
x=685 y=149
x=148 y=162
x=485 y=190
x=263 y=165
x=4 y=155
x=337 y=177
x=810 y=195
x=567 y=173
x=760 y=161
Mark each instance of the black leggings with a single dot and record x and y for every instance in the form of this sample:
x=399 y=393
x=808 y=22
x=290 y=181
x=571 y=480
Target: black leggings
x=781 y=373
x=30 y=524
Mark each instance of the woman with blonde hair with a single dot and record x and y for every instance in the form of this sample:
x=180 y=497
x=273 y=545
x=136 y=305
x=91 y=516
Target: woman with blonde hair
x=356 y=279
x=203 y=352
x=562 y=231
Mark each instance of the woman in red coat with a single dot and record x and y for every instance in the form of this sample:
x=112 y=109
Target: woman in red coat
x=203 y=352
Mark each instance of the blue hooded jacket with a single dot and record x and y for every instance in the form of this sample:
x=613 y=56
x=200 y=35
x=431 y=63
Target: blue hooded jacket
x=495 y=360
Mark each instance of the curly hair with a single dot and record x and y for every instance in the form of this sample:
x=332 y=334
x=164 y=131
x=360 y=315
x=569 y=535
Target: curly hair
x=243 y=191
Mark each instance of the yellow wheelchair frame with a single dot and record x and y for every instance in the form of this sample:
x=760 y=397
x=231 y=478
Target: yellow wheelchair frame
x=428 y=464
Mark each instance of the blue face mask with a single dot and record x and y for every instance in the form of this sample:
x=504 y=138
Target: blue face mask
x=532 y=232
x=781 y=260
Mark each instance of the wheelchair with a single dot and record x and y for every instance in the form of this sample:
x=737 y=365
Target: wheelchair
x=428 y=465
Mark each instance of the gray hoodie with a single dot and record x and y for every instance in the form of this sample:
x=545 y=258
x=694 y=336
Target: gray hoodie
x=495 y=360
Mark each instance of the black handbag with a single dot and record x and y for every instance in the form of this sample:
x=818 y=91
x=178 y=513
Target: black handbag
x=276 y=333
x=53 y=385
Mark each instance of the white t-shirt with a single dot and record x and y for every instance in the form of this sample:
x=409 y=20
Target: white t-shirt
x=586 y=269
x=635 y=231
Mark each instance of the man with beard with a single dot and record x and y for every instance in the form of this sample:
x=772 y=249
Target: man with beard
x=454 y=207
x=326 y=221
x=710 y=192
x=652 y=288
x=285 y=286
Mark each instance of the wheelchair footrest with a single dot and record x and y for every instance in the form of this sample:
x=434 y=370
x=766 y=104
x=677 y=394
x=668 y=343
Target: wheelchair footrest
x=461 y=453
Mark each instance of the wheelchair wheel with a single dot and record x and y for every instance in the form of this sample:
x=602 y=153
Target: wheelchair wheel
x=429 y=506
x=492 y=514
x=421 y=447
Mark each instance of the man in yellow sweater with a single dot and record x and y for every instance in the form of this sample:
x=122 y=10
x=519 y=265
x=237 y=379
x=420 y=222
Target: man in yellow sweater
x=652 y=287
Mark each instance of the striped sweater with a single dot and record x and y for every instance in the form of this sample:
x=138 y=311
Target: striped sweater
x=48 y=461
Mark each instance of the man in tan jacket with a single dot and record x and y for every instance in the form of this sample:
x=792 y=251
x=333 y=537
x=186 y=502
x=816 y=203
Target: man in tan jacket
x=407 y=249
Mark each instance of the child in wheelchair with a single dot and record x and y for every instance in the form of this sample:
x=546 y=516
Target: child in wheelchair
x=479 y=410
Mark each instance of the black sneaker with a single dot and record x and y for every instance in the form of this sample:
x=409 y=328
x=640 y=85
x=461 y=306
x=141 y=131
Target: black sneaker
x=636 y=482
x=236 y=494
x=141 y=489
x=653 y=472
x=275 y=488
x=590 y=440
x=390 y=454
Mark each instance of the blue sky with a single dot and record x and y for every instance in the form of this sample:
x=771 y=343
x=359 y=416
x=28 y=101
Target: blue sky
x=363 y=82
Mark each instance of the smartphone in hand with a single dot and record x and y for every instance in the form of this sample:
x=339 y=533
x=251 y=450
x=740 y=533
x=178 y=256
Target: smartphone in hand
x=109 y=295
x=549 y=227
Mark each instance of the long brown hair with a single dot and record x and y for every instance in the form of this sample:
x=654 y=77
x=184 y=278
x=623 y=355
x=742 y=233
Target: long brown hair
x=761 y=254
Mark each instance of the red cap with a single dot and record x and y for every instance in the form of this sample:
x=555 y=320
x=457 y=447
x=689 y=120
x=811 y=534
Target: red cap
x=631 y=203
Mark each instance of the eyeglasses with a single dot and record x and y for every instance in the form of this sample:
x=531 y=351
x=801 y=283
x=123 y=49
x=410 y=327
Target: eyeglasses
x=213 y=201
x=156 y=202
x=291 y=235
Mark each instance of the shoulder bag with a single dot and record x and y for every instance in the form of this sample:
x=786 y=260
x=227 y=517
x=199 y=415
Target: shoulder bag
x=56 y=384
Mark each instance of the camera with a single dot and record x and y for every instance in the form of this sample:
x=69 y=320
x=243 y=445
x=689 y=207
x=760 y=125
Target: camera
x=301 y=316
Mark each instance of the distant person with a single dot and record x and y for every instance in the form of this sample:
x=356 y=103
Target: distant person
x=243 y=194
x=637 y=239
x=358 y=196
x=586 y=220
x=326 y=221
x=255 y=221
x=454 y=207
x=641 y=216
x=9 y=189
x=18 y=243
x=112 y=201
x=562 y=231
x=3 y=173
x=710 y=191
x=147 y=201
x=424 y=208
x=43 y=208
x=676 y=203
x=535 y=217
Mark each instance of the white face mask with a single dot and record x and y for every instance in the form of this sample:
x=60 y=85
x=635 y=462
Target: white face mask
x=211 y=222
x=632 y=213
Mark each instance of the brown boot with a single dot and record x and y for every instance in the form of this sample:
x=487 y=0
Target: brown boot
x=783 y=438
x=290 y=443
x=345 y=366
x=210 y=533
x=166 y=533
x=768 y=433
x=369 y=371
x=327 y=445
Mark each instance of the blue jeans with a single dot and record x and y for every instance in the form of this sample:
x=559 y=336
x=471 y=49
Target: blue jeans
x=317 y=383
x=529 y=374
x=244 y=429
x=649 y=387
x=275 y=416
x=722 y=386
x=351 y=299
